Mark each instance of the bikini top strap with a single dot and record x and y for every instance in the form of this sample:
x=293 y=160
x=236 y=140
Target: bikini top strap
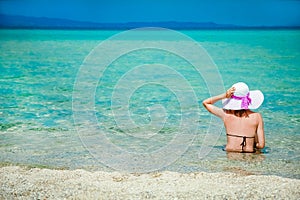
x=239 y=136
x=243 y=144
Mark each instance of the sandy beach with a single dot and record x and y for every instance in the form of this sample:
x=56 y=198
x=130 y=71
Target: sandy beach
x=35 y=183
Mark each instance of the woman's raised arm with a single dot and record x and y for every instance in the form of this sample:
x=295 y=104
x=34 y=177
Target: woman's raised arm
x=208 y=103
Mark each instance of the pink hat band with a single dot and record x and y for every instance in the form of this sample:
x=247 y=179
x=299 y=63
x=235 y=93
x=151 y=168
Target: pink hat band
x=246 y=100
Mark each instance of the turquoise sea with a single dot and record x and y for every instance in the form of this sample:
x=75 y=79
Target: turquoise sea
x=39 y=70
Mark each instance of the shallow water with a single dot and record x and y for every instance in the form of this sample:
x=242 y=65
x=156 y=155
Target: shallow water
x=38 y=74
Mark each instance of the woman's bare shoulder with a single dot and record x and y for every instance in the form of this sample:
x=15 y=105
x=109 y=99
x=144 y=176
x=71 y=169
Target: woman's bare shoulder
x=253 y=114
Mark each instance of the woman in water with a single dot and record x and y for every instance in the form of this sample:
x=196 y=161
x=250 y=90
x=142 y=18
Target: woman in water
x=244 y=128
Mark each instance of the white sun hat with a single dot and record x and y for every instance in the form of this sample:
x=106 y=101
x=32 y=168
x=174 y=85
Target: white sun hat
x=242 y=98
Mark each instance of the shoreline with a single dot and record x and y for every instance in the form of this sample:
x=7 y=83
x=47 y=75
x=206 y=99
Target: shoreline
x=21 y=182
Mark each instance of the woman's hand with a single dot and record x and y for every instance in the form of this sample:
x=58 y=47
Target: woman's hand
x=229 y=92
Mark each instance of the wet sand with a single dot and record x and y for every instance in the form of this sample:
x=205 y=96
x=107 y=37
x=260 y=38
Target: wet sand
x=34 y=183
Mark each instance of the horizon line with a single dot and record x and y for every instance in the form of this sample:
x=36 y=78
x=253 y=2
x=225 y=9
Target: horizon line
x=88 y=24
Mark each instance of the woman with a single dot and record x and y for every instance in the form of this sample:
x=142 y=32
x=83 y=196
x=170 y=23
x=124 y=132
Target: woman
x=244 y=128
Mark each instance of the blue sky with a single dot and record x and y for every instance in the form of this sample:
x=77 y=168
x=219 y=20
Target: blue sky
x=238 y=12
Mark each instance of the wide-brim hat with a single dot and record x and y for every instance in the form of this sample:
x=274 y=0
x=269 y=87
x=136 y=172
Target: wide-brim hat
x=243 y=98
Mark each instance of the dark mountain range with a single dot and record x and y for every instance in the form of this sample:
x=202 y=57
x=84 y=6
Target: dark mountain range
x=24 y=22
x=10 y=21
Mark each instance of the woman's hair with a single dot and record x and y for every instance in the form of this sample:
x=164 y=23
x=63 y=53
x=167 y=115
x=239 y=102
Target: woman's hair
x=239 y=113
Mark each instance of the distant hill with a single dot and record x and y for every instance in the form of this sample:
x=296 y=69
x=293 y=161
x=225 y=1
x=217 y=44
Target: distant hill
x=10 y=21
x=13 y=21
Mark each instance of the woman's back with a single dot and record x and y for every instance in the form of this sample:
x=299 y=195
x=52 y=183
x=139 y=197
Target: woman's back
x=241 y=130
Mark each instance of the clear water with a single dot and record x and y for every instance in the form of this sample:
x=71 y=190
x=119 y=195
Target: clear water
x=38 y=70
